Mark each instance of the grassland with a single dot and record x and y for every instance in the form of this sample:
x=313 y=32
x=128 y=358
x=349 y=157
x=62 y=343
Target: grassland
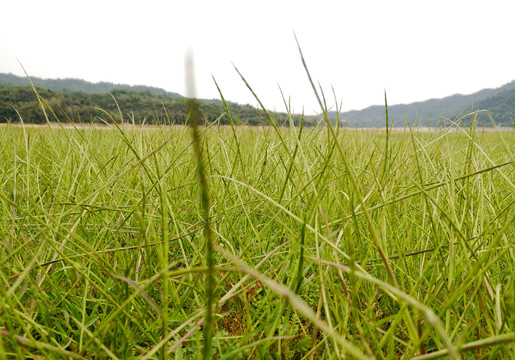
x=325 y=244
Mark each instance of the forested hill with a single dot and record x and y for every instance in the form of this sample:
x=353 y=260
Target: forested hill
x=500 y=102
x=80 y=85
x=82 y=101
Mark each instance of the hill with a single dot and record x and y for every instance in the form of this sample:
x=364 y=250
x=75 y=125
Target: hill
x=500 y=102
x=136 y=106
x=81 y=101
x=80 y=85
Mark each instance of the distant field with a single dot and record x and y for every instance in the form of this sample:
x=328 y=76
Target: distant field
x=357 y=244
x=255 y=128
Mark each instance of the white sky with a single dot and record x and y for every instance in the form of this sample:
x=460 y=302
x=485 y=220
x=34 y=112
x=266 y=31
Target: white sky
x=416 y=50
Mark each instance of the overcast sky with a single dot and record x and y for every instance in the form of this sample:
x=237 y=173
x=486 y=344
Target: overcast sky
x=416 y=50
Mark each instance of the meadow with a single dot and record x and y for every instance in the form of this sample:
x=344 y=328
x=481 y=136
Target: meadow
x=256 y=242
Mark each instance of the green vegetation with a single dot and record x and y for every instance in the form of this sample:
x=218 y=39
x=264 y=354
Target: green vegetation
x=500 y=103
x=326 y=242
x=273 y=242
x=501 y=106
x=80 y=100
x=80 y=85
x=140 y=107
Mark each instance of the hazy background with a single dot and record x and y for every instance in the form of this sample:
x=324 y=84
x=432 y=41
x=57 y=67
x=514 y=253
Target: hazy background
x=415 y=50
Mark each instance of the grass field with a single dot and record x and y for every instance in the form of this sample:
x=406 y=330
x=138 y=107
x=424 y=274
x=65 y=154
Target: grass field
x=308 y=244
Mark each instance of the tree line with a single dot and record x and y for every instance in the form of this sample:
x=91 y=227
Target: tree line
x=135 y=106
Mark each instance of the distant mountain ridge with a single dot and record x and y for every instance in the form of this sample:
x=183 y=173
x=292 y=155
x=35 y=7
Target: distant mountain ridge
x=71 y=84
x=80 y=101
x=500 y=102
x=79 y=85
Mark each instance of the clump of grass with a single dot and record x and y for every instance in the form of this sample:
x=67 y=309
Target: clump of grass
x=326 y=242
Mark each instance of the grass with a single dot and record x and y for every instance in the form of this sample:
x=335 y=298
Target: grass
x=308 y=242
